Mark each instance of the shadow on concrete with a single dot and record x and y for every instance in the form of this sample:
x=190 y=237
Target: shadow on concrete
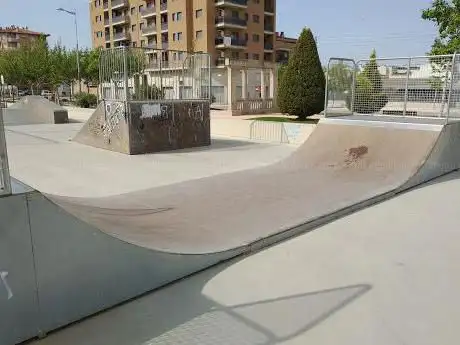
x=182 y=314
x=217 y=144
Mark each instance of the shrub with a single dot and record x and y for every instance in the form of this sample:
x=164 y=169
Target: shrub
x=302 y=85
x=85 y=100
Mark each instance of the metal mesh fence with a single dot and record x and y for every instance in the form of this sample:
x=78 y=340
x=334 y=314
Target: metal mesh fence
x=414 y=86
x=140 y=74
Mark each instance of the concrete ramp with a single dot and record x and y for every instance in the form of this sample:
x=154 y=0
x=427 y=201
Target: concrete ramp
x=344 y=163
x=34 y=110
x=93 y=253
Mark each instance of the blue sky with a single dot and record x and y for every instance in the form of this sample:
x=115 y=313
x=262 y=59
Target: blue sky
x=344 y=28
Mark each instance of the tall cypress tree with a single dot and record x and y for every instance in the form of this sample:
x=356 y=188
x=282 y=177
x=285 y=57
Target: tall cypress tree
x=302 y=85
x=369 y=94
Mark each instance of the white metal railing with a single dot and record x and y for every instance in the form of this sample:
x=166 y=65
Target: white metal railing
x=253 y=106
x=427 y=86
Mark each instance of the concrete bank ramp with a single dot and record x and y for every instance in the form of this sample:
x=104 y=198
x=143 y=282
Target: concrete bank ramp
x=31 y=110
x=92 y=253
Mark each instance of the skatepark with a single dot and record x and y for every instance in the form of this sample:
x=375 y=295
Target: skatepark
x=98 y=222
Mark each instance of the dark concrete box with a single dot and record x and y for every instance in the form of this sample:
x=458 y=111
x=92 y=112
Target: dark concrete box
x=147 y=127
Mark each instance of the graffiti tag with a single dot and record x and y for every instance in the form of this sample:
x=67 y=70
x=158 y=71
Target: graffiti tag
x=154 y=111
x=3 y=276
x=196 y=113
x=115 y=113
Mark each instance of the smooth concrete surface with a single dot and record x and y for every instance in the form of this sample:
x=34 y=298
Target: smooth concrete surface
x=222 y=212
x=388 y=274
x=44 y=157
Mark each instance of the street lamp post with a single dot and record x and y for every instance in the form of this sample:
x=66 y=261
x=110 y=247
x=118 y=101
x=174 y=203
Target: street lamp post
x=74 y=13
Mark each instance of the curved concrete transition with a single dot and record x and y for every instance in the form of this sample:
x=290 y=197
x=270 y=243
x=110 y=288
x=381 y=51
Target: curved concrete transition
x=345 y=162
x=34 y=110
x=92 y=253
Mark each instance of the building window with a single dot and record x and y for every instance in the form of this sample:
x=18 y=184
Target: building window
x=255 y=37
x=199 y=34
x=133 y=10
x=133 y=27
x=141 y=26
x=198 y=13
x=255 y=18
x=177 y=16
x=257 y=1
x=246 y=56
x=177 y=36
x=141 y=7
x=235 y=55
x=255 y=57
x=235 y=14
x=134 y=44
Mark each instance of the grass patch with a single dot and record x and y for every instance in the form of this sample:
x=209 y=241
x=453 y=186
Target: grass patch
x=283 y=119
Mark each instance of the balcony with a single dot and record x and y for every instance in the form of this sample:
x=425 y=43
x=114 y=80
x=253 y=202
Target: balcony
x=107 y=37
x=164 y=26
x=269 y=27
x=269 y=8
x=106 y=21
x=149 y=30
x=106 y=6
x=148 y=12
x=268 y=46
x=12 y=39
x=220 y=61
x=232 y=43
x=119 y=4
x=163 y=6
x=164 y=45
x=122 y=19
x=233 y=22
x=152 y=45
x=232 y=3
x=120 y=36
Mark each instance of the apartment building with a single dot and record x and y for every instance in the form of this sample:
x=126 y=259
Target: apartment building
x=12 y=37
x=234 y=29
x=283 y=47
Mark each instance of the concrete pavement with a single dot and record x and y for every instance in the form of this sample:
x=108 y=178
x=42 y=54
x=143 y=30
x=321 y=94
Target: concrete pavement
x=44 y=157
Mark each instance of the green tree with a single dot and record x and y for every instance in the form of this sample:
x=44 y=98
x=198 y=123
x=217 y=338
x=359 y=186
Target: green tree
x=302 y=87
x=369 y=94
x=62 y=68
x=446 y=15
x=280 y=101
x=90 y=66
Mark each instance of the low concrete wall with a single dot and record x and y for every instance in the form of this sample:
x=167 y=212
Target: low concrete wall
x=276 y=132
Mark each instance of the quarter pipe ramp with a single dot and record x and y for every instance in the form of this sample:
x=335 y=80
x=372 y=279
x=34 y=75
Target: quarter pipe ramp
x=92 y=253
